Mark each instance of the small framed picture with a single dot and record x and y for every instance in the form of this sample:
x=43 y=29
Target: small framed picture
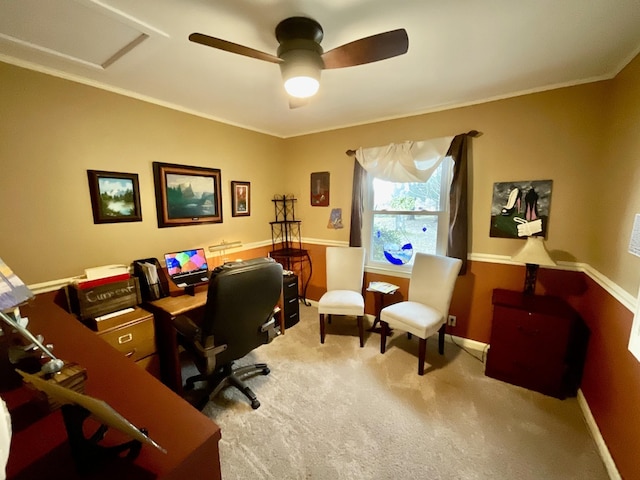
x=240 y=199
x=115 y=197
x=320 y=189
x=187 y=195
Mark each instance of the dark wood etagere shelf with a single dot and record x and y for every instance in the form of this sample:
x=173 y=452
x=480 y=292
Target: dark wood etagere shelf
x=286 y=243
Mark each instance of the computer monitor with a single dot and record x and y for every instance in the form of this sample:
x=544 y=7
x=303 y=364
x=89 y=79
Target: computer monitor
x=187 y=267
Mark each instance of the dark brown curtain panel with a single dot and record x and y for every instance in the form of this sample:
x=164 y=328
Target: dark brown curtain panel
x=458 y=244
x=357 y=204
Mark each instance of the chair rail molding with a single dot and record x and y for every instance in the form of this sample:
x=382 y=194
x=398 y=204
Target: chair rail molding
x=617 y=292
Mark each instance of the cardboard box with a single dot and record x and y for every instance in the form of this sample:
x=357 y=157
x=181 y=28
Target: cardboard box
x=103 y=299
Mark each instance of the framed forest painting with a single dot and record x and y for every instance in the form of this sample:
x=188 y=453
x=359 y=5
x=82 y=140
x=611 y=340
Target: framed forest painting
x=187 y=195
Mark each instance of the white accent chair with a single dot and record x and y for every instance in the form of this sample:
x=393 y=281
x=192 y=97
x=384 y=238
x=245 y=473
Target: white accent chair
x=433 y=278
x=345 y=275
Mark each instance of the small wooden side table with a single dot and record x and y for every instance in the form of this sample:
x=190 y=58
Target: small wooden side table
x=379 y=299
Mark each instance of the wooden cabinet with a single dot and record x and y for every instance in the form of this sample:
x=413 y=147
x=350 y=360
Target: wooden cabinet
x=290 y=306
x=537 y=342
x=134 y=336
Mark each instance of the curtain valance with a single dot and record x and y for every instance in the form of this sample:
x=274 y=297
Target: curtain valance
x=404 y=162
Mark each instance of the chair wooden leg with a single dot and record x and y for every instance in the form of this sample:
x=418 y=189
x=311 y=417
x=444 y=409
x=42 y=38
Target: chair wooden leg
x=322 y=328
x=384 y=329
x=361 y=330
x=422 y=351
x=441 y=340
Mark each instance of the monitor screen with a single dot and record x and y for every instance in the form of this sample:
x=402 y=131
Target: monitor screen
x=186 y=261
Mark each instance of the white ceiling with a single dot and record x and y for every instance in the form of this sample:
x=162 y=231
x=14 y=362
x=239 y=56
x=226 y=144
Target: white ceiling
x=460 y=52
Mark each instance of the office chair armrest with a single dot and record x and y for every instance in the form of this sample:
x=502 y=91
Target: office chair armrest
x=185 y=327
x=270 y=326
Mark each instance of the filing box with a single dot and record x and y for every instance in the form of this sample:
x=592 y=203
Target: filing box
x=103 y=299
x=135 y=338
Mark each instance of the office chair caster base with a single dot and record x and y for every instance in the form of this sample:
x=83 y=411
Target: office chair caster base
x=255 y=404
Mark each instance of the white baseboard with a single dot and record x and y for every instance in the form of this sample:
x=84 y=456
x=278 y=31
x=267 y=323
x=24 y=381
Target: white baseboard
x=607 y=459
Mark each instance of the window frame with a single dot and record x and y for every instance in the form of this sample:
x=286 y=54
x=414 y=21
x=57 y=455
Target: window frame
x=442 y=214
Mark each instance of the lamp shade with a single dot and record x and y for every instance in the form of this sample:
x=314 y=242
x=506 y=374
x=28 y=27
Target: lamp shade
x=301 y=72
x=534 y=253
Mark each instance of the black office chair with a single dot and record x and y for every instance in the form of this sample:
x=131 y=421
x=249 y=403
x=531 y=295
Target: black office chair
x=239 y=316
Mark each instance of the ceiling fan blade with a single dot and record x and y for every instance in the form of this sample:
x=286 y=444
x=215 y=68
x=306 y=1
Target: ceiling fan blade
x=232 y=47
x=367 y=50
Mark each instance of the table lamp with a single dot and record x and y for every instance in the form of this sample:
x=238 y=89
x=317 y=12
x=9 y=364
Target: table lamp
x=533 y=254
x=13 y=292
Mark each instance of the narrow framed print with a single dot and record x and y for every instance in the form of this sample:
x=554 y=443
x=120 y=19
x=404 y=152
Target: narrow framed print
x=240 y=199
x=115 y=196
x=320 y=189
x=187 y=195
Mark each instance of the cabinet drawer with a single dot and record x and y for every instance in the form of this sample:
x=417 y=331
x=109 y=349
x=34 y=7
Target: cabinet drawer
x=291 y=304
x=530 y=335
x=135 y=340
x=290 y=287
x=548 y=379
x=151 y=364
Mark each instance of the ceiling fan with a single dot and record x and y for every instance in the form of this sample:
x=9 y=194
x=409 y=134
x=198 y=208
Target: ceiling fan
x=301 y=58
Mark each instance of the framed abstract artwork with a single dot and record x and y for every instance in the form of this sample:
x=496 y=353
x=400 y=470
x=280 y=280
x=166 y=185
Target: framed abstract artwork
x=240 y=199
x=320 y=189
x=187 y=195
x=520 y=209
x=115 y=197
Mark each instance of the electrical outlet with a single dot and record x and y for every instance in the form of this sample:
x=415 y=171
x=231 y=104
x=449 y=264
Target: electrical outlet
x=452 y=320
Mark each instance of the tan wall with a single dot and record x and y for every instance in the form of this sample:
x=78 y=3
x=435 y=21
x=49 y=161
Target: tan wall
x=53 y=130
x=615 y=192
x=553 y=135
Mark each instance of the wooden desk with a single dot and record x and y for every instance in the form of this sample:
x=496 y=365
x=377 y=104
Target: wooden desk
x=41 y=450
x=164 y=311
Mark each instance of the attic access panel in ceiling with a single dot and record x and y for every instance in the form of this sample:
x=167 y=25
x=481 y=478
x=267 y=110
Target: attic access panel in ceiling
x=73 y=38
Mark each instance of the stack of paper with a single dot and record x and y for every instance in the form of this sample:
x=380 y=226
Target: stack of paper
x=105 y=271
x=382 y=287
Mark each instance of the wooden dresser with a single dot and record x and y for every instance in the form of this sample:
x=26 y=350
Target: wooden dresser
x=537 y=342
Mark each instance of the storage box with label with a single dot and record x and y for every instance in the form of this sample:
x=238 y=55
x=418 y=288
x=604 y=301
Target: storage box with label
x=103 y=299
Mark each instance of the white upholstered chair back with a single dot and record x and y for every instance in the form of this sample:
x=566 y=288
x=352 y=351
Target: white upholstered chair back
x=433 y=279
x=345 y=268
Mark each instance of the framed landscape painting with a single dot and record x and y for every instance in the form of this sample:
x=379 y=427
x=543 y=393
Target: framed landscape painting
x=187 y=195
x=115 y=197
x=240 y=199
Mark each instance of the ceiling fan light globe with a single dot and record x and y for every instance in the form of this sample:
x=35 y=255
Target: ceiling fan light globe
x=302 y=87
x=301 y=72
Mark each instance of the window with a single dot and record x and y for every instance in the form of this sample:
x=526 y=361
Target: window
x=403 y=218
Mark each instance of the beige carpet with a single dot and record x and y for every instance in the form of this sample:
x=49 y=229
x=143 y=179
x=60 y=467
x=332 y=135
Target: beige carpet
x=336 y=411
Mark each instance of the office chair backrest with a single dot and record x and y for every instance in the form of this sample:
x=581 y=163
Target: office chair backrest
x=240 y=299
x=432 y=280
x=345 y=268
